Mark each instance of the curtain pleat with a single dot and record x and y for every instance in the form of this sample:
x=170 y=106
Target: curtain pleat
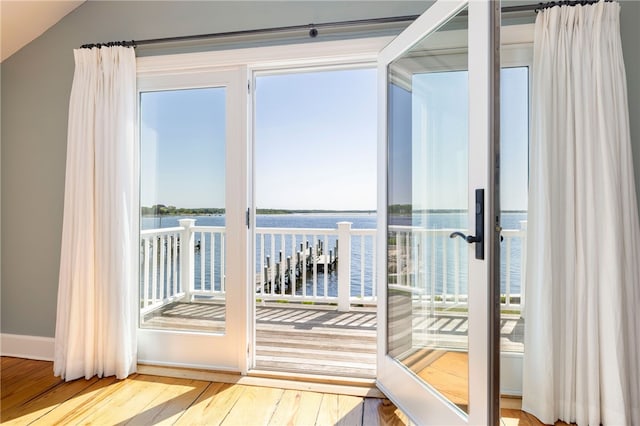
x=582 y=336
x=95 y=328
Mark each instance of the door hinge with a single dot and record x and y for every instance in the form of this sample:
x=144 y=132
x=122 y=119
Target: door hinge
x=248 y=87
x=248 y=218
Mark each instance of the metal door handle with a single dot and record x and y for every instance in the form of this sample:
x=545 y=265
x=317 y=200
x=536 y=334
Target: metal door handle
x=468 y=238
x=477 y=239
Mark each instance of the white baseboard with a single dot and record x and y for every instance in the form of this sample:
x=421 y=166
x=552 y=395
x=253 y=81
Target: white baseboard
x=30 y=347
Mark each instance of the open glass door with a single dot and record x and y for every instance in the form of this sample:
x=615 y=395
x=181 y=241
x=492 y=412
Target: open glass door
x=192 y=306
x=437 y=358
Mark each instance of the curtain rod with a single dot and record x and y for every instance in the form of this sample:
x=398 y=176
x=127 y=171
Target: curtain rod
x=313 y=28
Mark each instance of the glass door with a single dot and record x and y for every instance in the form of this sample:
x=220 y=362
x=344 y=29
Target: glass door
x=192 y=309
x=437 y=358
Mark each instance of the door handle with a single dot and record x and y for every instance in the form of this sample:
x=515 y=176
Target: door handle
x=468 y=238
x=477 y=239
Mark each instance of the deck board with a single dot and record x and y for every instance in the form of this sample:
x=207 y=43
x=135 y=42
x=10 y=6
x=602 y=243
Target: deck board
x=317 y=339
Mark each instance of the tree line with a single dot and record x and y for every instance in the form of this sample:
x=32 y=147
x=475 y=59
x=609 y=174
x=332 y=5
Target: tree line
x=162 y=210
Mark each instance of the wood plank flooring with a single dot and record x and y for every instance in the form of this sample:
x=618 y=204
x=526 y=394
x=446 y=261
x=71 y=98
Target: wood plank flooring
x=31 y=395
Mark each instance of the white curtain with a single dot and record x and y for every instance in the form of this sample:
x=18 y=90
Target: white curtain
x=95 y=328
x=582 y=332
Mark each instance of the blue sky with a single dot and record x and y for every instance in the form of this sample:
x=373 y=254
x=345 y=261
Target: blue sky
x=182 y=148
x=315 y=142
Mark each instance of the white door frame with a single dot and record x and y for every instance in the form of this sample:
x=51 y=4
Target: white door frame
x=202 y=350
x=226 y=351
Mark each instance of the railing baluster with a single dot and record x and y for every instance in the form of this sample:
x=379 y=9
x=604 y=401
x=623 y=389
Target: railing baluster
x=456 y=271
x=223 y=279
x=523 y=264
x=424 y=261
x=146 y=301
x=303 y=265
x=292 y=273
x=212 y=263
x=283 y=265
x=154 y=281
x=162 y=280
x=203 y=246
x=432 y=265
x=326 y=267
x=314 y=261
x=413 y=246
x=262 y=263
x=272 y=266
x=507 y=286
x=174 y=258
x=374 y=280
x=169 y=261
x=445 y=271
x=399 y=256
x=362 y=265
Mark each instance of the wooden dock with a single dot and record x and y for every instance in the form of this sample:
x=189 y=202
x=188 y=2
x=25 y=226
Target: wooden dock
x=290 y=270
x=317 y=339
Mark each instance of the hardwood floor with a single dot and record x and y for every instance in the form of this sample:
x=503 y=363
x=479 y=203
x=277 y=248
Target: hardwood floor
x=31 y=395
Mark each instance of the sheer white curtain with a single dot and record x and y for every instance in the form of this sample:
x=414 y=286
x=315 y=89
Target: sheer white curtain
x=95 y=329
x=582 y=333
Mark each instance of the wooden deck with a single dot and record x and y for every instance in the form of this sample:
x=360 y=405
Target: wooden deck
x=317 y=339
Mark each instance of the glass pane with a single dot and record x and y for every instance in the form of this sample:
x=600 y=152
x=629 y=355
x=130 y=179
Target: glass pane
x=428 y=200
x=514 y=178
x=182 y=198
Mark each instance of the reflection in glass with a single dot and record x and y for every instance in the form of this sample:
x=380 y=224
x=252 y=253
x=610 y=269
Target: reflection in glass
x=182 y=198
x=427 y=201
x=514 y=184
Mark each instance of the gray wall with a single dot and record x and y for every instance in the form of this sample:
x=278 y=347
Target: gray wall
x=630 y=33
x=36 y=83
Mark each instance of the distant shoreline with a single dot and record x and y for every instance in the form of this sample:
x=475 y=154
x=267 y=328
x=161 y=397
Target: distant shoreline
x=212 y=212
x=150 y=212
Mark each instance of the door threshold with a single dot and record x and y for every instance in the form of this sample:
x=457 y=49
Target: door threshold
x=274 y=379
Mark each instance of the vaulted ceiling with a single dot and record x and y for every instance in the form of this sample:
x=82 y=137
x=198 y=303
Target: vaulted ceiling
x=22 y=21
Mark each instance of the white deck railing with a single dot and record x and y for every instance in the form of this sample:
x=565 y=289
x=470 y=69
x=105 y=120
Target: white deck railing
x=319 y=265
x=428 y=262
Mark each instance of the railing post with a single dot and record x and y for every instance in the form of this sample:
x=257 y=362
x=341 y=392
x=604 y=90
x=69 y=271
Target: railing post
x=187 y=263
x=344 y=266
x=523 y=265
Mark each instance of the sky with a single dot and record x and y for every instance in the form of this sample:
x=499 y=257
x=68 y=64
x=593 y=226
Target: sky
x=182 y=148
x=429 y=141
x=315 y=142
